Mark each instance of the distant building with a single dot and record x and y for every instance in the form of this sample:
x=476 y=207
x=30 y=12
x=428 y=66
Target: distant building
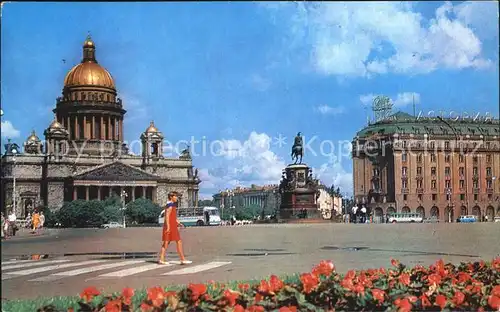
x=436 y=167
x=329 y=204
x=266 y=196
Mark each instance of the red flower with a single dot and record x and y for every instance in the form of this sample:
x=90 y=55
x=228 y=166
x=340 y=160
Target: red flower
x=458 y=298
x=145 y=307
x=347 y=283
x=275 y=283
x=264 y=287
x=434 y=279
x=127 y=295
x=463 y=277
x=359 y=289
x=238 y=308
x=404 y=305
x=113 y=306
x=496 y=263
x=258 y=297
x=197 y=290
x=350 y=274
x=425 y=301
x=231 y=296
x=404 y=279
x=324 y=268
x=243 y=287
x=89 y=293
x=440 y=301
x=496 y=291
x=365 y=281
x=378 y=295
x=255 y=308
x=156 y=295
x=309 y=282
x=288 y=309
x=412 y=299
x=394 y=262
x=494 y=302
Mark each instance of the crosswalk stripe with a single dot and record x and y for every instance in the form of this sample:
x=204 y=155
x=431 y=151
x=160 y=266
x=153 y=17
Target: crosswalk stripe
x=30 y=264
x=61 y=275
x=16 y=261
x=6 y=276
x=198 y=268
x=136 y=270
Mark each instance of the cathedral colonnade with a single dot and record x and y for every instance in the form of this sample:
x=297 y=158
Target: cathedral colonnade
x=103 y=191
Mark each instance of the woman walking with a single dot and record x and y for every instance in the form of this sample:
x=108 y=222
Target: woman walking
x=170 y=231
x=36 y=221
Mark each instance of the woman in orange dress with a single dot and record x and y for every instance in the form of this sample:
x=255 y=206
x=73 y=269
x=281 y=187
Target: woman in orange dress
x=170 y=231
x=35 y=219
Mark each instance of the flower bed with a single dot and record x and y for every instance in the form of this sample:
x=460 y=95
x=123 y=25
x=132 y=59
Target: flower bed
x=468 y=286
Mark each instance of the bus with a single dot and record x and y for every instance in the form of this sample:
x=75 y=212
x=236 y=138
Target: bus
x=195 y=216
x=410 y=217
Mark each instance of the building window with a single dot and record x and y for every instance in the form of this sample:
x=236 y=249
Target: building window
x=462 y=184
x=446 y=144
x=419 y=158
x=403 y=157
x=474 y=159
x=375 y=172
x=405 y=197
x=474 y=170
x=447 y=158
x=404 y=171
x=433 y=184
x=489 y=184
x=420 y=197
x=475 y=184
x=419 y=183
x=461 y=171
x=462 y=196
x=488 y=171
x=447 y=171
x=490 y=196
x=405 y=184
x=431 y=144
x=447 y=184
x=404 y=144
x=475 y=196
x=433 y=170
x=419 y=170
x=461 y=158
x=433 y=157
x=434 y=197
x=448 y=197
x=488 y=159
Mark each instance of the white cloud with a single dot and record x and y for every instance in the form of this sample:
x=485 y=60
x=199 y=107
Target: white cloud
x=329 y=110
x=8 y=130
x=137 y=111
x=363 y=39
x=260 y=83
x=482 y=16
x=243 y=163
x=333 y=172
x=400 y=100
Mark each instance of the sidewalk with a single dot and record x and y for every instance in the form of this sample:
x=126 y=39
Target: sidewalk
x=23 y=232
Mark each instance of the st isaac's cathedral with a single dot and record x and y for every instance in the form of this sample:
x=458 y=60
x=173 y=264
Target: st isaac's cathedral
x=84 y=155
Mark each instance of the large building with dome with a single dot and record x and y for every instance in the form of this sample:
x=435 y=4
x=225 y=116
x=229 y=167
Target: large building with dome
x=84 y=155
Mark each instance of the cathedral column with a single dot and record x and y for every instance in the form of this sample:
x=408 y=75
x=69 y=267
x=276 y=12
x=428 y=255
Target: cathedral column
x=77 y=133
x=121 y=130
x=75 y=192
x=92 y=131
x=68 y=126
x=87 y=192
x=103 y=128
x=154 y=194
x=144 y=193
x=110 y=133
x=133 y=193
x=99 y=193
x=85 y=134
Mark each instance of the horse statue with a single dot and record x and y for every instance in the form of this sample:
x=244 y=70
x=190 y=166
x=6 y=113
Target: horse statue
x=298 y=149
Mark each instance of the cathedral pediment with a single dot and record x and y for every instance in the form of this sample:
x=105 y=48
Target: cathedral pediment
x=116 y=171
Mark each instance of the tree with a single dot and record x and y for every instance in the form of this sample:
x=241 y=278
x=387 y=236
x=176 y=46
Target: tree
x=248 y=212
x=143 y=210
x=81 y=213
x=205 y=203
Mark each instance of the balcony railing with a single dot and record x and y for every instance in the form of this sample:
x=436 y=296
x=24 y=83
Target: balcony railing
x=420 y=190
x=489 y=190
x=404 y=190
x=475 y=190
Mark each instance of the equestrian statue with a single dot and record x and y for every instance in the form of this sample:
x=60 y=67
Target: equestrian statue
x=298 y=149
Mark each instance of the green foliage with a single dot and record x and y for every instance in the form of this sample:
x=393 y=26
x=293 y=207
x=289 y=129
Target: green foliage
x=50 y=217
x=205 y=203
x=248 y=212
x=142 y=211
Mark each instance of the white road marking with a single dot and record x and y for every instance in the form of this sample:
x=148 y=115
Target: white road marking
x=132 y=271
x=6 y=276
x=16 y=261
x=30 y=264
x=61 y=275
x=197 y=268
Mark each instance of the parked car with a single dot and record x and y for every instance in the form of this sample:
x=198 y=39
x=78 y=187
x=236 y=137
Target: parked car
x=497 y=219
x=112 y=225
x=467 y=219
x=432 y=219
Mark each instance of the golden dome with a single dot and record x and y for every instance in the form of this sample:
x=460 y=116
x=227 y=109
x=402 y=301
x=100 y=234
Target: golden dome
x=55 y=125
x=89 y=72
x=33 y=137
x=151 y=128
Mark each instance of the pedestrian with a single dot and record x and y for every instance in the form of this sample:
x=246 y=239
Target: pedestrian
x=36 y=221
x=12 y=223
x=170 y=231
x=42 y=219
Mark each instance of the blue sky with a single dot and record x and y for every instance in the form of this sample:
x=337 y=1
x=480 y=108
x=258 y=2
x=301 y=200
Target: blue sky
x=242 y=74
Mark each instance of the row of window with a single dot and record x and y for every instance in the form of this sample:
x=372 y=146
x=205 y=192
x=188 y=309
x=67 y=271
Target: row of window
x=447 y=171
x=447 y=184
x=447 y=145
x=447 y=158
x=448 y=197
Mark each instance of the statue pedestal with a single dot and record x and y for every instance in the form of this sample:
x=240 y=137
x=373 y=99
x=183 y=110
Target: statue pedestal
x=299 y=193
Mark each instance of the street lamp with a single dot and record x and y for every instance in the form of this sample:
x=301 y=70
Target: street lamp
x=123 y=195
x=448 y=194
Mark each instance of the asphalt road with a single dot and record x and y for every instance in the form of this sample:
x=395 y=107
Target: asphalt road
x=115 y=258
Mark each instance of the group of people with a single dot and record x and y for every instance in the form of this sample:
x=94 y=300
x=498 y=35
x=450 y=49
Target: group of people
x=9 y=224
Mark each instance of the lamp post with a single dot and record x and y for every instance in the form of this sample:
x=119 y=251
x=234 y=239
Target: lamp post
x=123 y=195
x=14 y=192
x=448 y=193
